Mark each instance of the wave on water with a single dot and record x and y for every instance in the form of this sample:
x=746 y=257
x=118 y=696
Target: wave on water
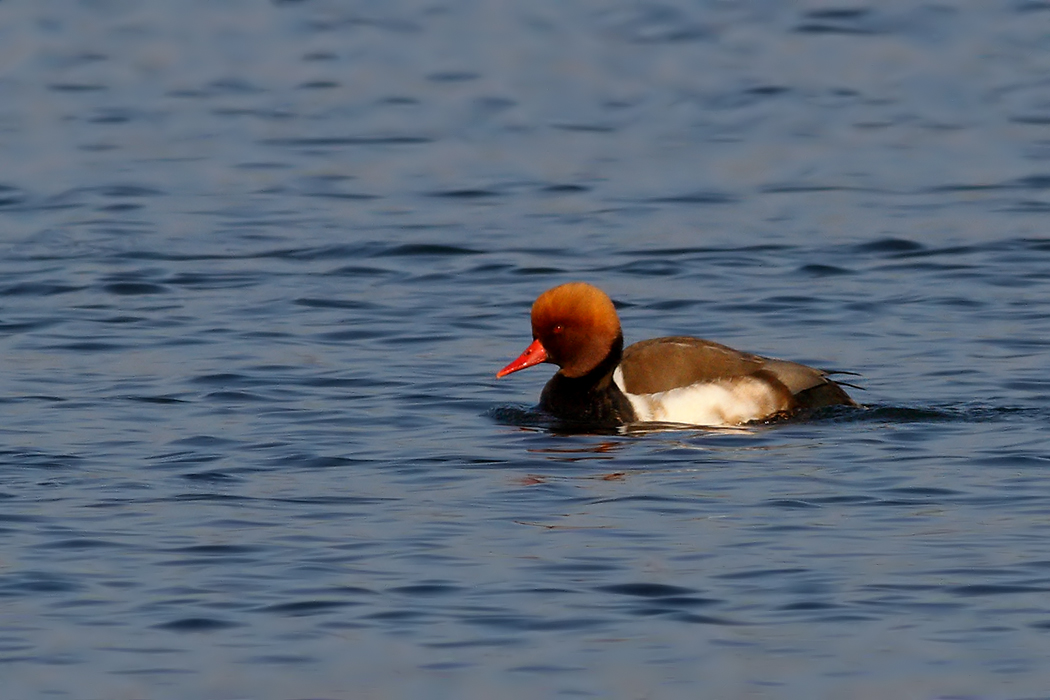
x=520 y=416
x=959 y=413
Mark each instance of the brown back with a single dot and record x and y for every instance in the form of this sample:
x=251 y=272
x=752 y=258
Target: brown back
x=662 y=364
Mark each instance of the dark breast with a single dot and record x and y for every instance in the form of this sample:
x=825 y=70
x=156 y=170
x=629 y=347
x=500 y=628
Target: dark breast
x=600 y=404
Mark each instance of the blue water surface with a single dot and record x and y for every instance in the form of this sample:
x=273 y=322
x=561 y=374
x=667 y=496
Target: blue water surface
x=259 y=263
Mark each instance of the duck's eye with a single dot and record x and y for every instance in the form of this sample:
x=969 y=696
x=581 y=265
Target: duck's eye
x=558 y=328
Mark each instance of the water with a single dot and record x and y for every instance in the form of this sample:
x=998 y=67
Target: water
x=260 y=263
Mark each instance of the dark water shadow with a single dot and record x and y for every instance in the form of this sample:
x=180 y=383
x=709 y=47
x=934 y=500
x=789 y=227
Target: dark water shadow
x=540 y=421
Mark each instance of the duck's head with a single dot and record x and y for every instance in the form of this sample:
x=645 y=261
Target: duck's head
x=574 y=326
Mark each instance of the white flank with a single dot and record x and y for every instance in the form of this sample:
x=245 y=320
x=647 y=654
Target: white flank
x=722 y=403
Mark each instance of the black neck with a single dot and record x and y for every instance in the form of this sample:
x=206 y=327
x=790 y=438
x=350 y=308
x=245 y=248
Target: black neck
x=592 y=399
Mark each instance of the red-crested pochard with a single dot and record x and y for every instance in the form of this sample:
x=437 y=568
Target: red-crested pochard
x=673 y=380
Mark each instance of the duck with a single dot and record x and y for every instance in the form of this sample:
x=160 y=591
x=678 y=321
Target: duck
x=676 y=379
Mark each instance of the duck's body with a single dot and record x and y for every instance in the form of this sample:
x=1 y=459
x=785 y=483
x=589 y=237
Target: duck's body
x=674 y=380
